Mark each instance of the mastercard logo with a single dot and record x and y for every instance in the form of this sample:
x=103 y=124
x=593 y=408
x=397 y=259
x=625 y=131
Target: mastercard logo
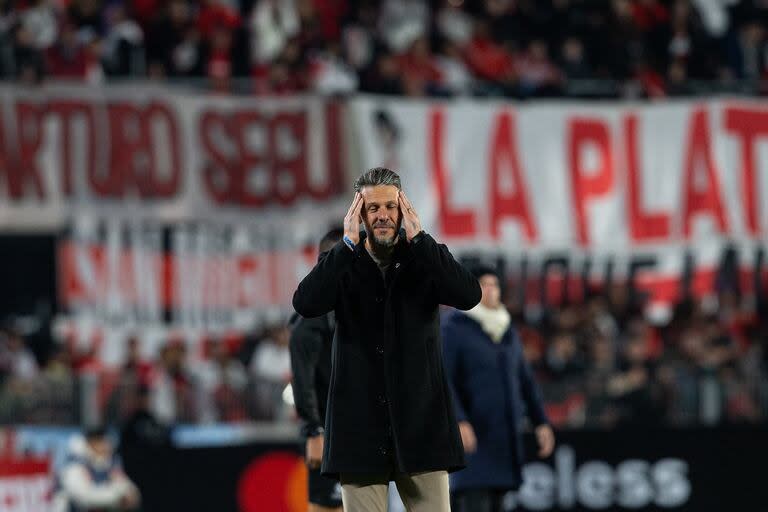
x=276 y=482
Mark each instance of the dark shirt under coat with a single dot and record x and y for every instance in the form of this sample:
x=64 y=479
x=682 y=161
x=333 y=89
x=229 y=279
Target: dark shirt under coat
x=389 y=405
x=493 y=388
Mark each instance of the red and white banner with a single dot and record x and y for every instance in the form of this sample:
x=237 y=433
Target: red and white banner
x=25 y=485
x=163 y=154
x=589 y=175
x=642 y=191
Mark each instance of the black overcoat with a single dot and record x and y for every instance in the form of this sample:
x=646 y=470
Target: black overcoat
x=389 y=405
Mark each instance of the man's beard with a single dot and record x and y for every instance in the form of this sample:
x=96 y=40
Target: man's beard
x=382 y=242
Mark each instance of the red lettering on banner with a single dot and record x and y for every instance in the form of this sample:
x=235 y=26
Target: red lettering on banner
x=335 y=147
x=585 y=187
x=124 y=134
x=250 y=160
x=748 y=125
x=132 y=158
x=282 y=158
x=168 y=187
x=696 y=199
x=288 y=151
x=29 y=121
x=643 y=225
x=68 y=111
x=219 y=171
x=504 y=159
x=457 y=223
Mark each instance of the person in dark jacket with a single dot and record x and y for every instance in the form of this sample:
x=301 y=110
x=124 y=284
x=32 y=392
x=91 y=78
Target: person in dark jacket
x=390 y=416
x=493 y=388
x=310 y=347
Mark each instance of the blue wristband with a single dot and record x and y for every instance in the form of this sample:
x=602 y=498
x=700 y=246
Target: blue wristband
x=349 y=243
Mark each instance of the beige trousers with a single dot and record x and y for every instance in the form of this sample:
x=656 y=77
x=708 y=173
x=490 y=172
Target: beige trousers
x=420 y=492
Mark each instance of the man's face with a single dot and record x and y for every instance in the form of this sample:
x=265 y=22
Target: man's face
x=489 y=284
x=100 y=446
x=381 y=213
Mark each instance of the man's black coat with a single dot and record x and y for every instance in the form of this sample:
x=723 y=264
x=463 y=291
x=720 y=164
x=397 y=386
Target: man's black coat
x=389 y=405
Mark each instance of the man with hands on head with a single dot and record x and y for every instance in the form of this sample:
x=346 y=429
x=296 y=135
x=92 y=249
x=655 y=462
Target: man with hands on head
x=390 y=416
x=493 y=389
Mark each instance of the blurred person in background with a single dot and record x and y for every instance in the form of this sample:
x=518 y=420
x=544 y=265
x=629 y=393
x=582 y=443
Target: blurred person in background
x=310 y=346
x=91 y=478
x=634 y=386
x=178 y=394
x=493 y=389
x=226 y=379
x=270 y=366
x=17 y=362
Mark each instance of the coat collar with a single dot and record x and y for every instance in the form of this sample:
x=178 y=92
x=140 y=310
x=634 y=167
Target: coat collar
x=402 y=253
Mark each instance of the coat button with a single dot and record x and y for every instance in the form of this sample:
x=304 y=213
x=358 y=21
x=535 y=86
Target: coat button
x=382 y=450
x=382 y=399
x=380 y=350
x=379 y=300
x=397 y=265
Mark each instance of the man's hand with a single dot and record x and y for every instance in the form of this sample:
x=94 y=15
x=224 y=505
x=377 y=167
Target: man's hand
x=468 y=438
x=353 y=219
x=314 y=451
x=410 y=222
x=546 y=439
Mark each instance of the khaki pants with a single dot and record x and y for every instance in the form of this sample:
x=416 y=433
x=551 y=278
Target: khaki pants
x=420 y=492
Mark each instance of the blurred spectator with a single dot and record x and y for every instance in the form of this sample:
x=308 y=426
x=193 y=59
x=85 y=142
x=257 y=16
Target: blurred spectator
x=420 y=73
x=226 y=379
x=573 y=61
x=178 y=394
x=499 y=47
x=16 y=360
x=173 y=46
x=536 y=73
x=92 y=477
x=122 y=46
x=401 y=22
x=271 y=368
x=749 y=51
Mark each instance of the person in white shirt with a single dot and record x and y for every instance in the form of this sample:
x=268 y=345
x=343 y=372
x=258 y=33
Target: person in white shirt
x=92 y=478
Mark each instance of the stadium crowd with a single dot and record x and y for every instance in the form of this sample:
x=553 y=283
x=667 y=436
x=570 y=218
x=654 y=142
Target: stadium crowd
x=599 y=361
x=515 y=48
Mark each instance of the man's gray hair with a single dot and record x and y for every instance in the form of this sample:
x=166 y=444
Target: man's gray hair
x=377 y=176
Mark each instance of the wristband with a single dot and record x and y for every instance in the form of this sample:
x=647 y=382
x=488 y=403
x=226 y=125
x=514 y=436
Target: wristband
x=349 y=243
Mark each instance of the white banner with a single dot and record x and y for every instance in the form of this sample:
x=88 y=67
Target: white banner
x=648 y=192
x=560 y=175
x=165 y=155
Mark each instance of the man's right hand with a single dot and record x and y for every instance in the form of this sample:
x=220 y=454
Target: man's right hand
x=354 y=218
x=314 y=451
x=468 y=438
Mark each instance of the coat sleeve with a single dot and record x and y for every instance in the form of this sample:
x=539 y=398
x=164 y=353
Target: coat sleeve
x=456 y=286
x=305 y=344
x=531 y=393
x=316 y=294
x=451 y=358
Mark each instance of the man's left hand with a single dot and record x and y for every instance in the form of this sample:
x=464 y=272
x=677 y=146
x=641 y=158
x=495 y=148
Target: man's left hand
x=410 y=222
x=546 y=439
